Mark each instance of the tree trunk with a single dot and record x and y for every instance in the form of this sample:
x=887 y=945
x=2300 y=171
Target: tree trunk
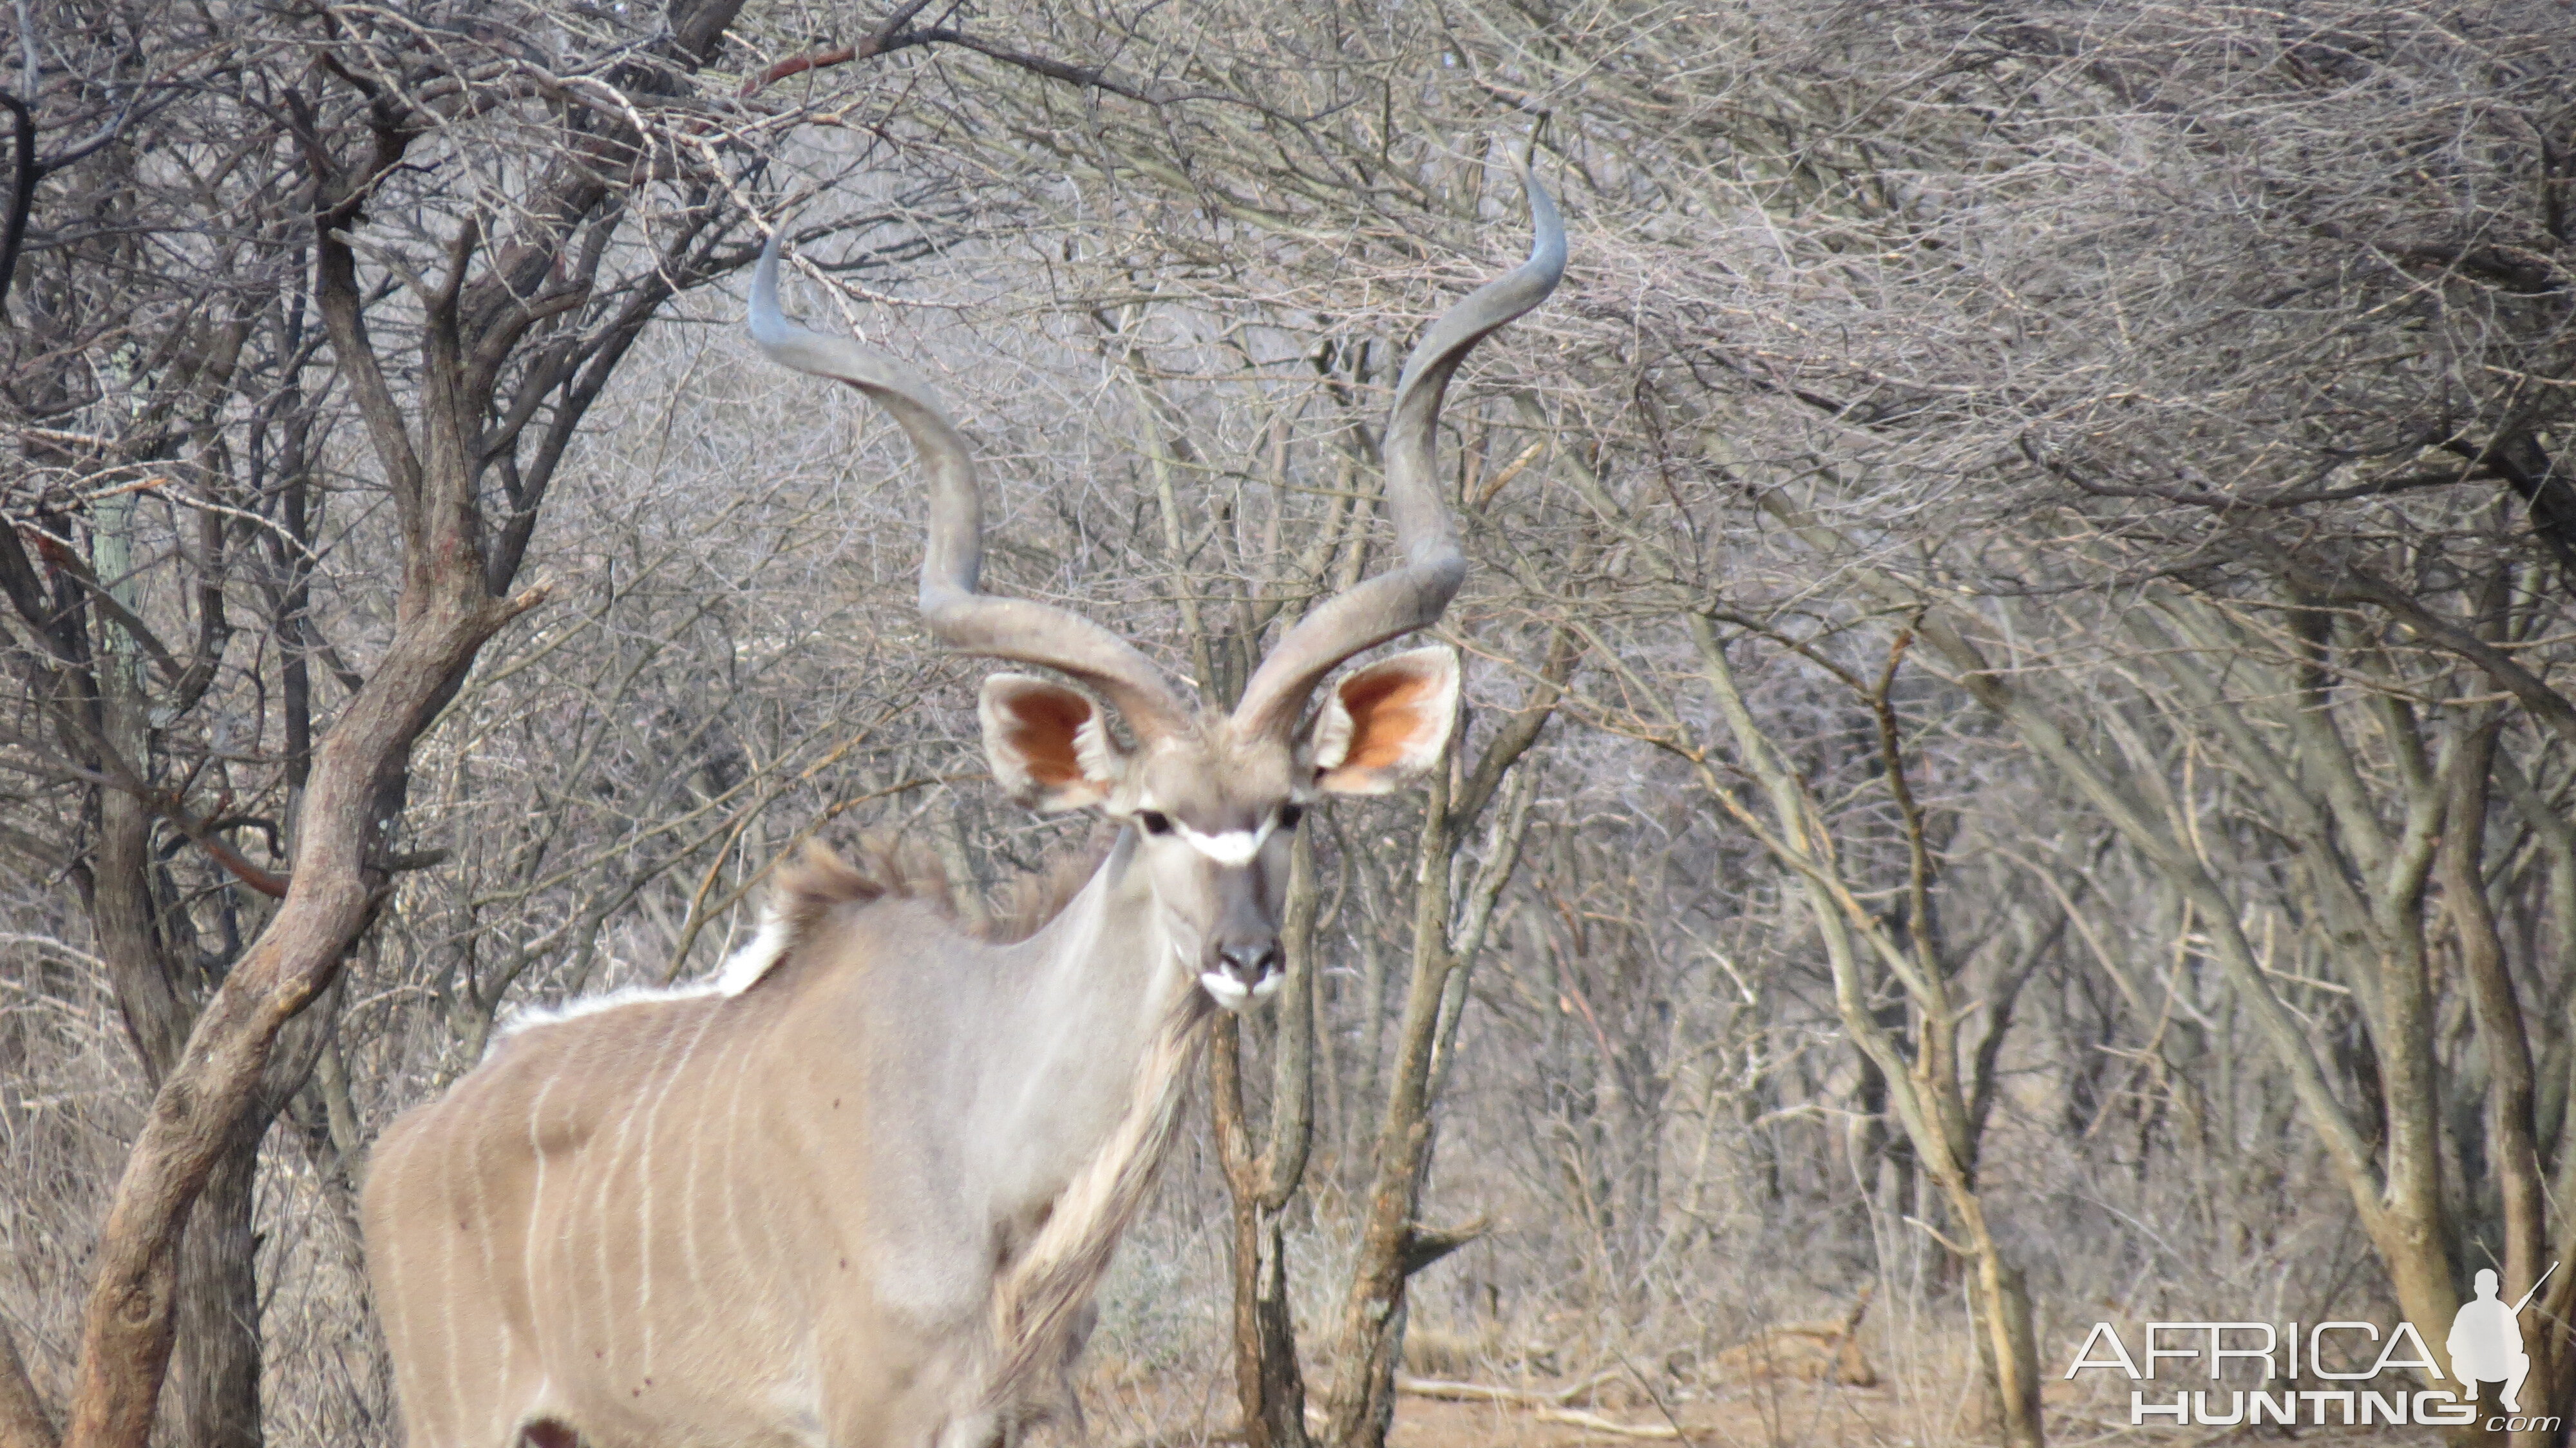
x=216 y=1369
x=23 y=1423
x=129 y=1322
x=1393 y=1244
x=2497 y=1012
x=1270 y=1390
x=1269 y=1387
x=215 y=1384
x=2009 y=1349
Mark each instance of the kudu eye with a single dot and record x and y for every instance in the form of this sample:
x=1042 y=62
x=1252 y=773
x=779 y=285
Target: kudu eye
x=1155 y=821
x=1290 y=814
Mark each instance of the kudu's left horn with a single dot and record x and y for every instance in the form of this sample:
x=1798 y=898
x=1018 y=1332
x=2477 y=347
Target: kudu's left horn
x=958 y=615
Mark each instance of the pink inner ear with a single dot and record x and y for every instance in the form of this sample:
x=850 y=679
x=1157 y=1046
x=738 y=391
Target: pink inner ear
x=1044 y=725
x=1388 y=715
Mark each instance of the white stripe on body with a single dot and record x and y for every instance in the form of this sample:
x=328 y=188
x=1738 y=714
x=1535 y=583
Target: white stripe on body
x=447 y=1282
x=529 y=1254
x=733 y=1179
x=398 y=1324
x=703 y=1099
x=497 y=1341
x=644 y=1183
x=601 y=1237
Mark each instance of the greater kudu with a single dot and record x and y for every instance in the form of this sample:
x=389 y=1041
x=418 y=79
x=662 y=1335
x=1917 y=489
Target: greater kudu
x=859 y=1189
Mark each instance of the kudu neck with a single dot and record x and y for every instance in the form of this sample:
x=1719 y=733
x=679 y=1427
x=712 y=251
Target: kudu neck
x=1099 y=979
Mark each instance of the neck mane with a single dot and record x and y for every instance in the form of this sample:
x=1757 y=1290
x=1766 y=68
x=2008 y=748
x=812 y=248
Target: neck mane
x=1043 y=1288
x=1110 y=938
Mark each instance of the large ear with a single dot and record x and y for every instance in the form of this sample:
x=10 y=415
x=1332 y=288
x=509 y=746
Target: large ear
x=1047 y=744
x=1387 y=723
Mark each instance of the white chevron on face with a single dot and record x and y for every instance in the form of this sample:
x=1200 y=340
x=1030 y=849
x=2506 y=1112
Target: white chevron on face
x=1231 y=848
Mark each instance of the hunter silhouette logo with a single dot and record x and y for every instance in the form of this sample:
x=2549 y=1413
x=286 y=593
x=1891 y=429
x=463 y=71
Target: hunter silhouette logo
x=2486 y=1340
x=2485 y=1346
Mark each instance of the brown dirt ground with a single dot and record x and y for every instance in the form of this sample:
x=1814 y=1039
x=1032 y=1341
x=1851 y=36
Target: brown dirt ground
x=1794 y=1415
x=1834 y=1418
x=1786 y=1415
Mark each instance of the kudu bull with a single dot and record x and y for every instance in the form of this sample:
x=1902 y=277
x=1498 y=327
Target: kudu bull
x=860 y=1188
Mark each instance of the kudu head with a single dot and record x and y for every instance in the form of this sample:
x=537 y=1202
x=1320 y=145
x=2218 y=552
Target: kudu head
x=1215 y=797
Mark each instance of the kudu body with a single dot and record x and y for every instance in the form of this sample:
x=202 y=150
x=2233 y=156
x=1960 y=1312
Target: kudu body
x=858 y=1190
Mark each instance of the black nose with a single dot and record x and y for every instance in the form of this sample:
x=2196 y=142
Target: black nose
x=1249 y=961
